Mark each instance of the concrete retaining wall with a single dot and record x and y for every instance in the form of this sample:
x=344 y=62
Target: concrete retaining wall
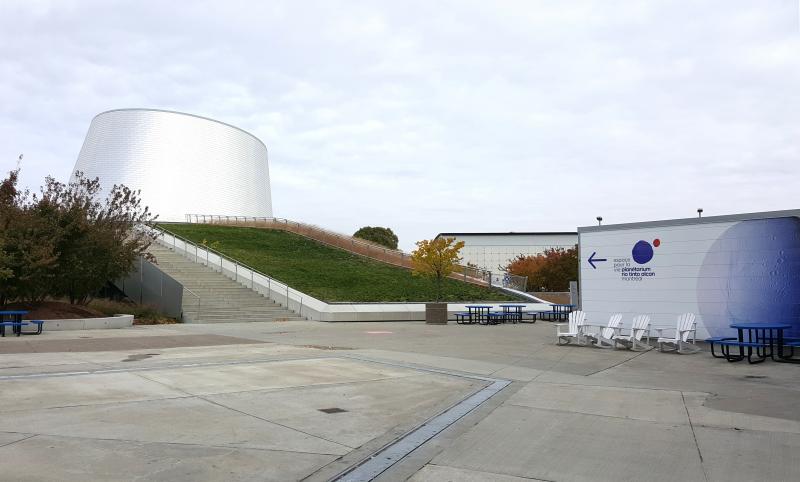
x=116 y=321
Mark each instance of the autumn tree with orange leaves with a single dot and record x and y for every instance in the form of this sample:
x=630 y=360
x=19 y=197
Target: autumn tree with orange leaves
x=549 y=271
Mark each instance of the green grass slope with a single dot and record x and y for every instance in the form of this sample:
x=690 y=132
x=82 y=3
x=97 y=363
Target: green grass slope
x=327 y=273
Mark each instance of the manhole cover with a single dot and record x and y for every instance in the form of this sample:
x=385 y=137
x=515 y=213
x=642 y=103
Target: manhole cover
x=332 y=410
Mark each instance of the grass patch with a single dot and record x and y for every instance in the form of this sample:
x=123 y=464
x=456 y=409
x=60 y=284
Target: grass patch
x=327 y=273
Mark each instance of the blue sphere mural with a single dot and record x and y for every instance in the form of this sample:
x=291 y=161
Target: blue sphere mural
x=752 y=274
x=642 y=252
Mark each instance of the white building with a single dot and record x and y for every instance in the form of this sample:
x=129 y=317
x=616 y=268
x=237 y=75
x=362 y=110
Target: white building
x=724 y=269
x=492 y=251
x=182 y=163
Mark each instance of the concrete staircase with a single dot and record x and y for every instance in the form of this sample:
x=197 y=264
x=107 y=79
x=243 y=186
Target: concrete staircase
x=222 y=300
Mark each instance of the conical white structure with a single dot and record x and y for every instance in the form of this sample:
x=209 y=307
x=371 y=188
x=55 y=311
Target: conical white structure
x=182 y=163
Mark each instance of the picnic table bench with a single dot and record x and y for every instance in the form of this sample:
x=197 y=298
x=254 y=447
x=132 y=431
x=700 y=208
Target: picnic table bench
x=16 y=327
x=759 y=340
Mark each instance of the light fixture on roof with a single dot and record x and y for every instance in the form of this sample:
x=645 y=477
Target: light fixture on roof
x=699 y=212
x=599 y=220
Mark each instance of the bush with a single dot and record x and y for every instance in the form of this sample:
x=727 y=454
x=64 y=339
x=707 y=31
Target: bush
x=143 y=314
x=378 y=235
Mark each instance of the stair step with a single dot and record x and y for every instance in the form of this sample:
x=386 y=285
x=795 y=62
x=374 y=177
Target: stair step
x=222 y=299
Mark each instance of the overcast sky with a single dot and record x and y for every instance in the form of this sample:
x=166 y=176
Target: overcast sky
x=436 y=116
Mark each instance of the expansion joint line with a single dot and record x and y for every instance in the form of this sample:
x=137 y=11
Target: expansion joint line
x=694 y=436
x=392 y=453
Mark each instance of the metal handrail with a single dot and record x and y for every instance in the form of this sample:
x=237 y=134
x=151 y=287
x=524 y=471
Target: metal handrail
x=237 y=264
x=198 y=301
x=212 y=250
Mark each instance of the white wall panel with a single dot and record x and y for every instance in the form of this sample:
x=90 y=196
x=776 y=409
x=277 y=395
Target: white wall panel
x=490 y=251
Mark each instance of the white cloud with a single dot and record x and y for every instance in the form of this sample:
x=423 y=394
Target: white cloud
x=436 y=116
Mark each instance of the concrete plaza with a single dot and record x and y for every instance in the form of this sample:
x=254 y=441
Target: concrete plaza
x=306 y=400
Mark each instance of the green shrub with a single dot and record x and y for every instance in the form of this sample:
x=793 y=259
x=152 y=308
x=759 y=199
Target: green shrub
x=379 y=235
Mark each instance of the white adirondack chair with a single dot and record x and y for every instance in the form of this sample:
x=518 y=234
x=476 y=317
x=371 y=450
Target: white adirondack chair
x=685 y=327
x=575 y=327
x=604 y=338
x=633 y=341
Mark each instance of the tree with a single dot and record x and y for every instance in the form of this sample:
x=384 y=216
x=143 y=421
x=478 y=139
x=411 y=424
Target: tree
x=68 y=241
x=99 y=239
x=436 y=259
x=28 y=260
x=549 y=271
x=8 y=192
x=378 y=235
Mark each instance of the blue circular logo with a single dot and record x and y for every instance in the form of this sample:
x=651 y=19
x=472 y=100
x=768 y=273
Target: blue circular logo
x=642 y=252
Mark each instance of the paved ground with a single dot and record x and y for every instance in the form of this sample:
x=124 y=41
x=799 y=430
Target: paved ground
x=251 y=402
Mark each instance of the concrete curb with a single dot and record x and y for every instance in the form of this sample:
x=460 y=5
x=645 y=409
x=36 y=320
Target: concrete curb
x=116 y=321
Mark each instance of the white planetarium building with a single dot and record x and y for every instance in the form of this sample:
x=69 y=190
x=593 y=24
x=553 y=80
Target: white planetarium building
x=182 y=163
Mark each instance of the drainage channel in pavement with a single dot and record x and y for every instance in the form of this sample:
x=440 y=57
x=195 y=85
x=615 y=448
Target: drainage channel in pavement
x=382 y=460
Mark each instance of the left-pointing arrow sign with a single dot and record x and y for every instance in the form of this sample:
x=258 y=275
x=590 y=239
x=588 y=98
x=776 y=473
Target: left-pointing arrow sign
x=593 y=260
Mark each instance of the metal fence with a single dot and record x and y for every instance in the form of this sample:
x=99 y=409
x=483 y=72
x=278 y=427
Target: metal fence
x=361 y=247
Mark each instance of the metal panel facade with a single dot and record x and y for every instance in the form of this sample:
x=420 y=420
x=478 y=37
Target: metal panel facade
x=724 y=269
x=182 y=163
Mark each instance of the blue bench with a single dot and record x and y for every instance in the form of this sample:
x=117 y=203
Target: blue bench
x=496 y=317
x=791 y=343
x=16 y=327
x=716 y=340
x=758 y=345
x=39 y=327
x=463 y=318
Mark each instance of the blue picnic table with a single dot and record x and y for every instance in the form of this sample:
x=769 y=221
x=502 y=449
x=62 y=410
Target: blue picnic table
x=478 y=313
x=563 y=310
x=512 y=312
x=12 y=318
x=766 y=338
x=555 y=313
